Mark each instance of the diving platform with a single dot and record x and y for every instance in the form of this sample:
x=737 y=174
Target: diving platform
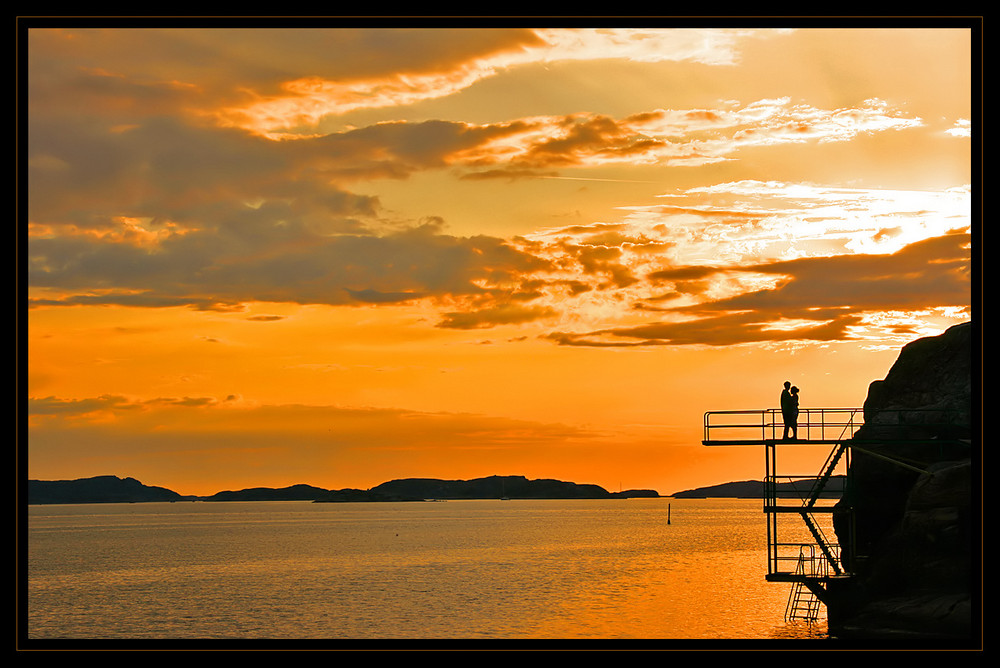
x=801 y=508
x=816 y=426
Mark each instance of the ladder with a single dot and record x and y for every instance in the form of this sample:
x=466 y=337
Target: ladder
x=802 y=602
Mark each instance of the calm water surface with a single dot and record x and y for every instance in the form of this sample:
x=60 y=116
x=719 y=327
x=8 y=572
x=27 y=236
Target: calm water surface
x=610 y=569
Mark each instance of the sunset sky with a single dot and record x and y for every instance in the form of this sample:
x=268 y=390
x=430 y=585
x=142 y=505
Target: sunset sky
x=347 y=253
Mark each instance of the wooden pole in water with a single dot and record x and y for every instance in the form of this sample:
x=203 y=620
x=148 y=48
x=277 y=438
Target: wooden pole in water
x=668 y=513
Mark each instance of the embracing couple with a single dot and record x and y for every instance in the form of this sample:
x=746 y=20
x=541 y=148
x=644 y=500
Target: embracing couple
x=790 y=410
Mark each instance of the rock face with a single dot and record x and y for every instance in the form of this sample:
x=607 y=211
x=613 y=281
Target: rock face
x=910 y=548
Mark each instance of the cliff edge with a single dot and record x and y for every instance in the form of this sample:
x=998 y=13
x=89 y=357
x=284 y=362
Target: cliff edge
x=910 y=548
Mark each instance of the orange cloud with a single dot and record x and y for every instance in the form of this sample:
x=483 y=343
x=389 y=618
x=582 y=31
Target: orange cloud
x=230 y=442
x=819 y=299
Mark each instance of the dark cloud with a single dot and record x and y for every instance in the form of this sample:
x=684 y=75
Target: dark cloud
x=562 y=142
x=239 y=264
x=167 y=170
x=222 y=64
x=500 y=314
x=823 y=296
x=69 y=408
x=370 y=296
x=584 y=135
x=724 y=330
x=171 y=212
x=928 y=273
x=396 y=149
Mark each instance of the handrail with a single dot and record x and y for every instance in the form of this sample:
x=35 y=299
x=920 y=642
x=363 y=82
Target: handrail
x=812 y=565
x=825 y=425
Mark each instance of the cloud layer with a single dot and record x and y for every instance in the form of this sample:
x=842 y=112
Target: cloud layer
x=198 y=198
x=159 y=191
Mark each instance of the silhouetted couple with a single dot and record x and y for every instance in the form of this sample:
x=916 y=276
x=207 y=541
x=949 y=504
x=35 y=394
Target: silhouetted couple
x=790 y=410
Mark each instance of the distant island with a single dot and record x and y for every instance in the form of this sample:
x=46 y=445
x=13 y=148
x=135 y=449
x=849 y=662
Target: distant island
x=754 y=489
x=112 y=489
x=99 y=489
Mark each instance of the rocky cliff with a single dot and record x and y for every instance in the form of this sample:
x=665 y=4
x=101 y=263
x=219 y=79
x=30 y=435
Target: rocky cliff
x=912 y=540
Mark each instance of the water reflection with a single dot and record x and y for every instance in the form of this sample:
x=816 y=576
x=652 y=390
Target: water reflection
x=799 y=630
x=514 y=570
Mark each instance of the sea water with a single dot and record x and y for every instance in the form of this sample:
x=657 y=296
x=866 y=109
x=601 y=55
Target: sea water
x=626 y=569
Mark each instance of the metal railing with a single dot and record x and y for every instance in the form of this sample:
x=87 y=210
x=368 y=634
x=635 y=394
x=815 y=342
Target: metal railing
x=833 y=425
x=758 y=426
x=805 y=560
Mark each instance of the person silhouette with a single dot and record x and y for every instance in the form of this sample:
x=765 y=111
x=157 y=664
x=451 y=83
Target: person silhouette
x=789 y=411
x=795 y=412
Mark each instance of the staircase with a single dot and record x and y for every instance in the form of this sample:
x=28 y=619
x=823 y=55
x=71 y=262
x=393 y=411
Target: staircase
x=831 y=463
x=821 y=541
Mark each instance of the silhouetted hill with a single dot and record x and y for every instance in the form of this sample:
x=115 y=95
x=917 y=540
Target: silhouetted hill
x=293 y=493
x=101 y=489
x=110 y=489
x=492 y=487
x=636 y=494
x=754 y=489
